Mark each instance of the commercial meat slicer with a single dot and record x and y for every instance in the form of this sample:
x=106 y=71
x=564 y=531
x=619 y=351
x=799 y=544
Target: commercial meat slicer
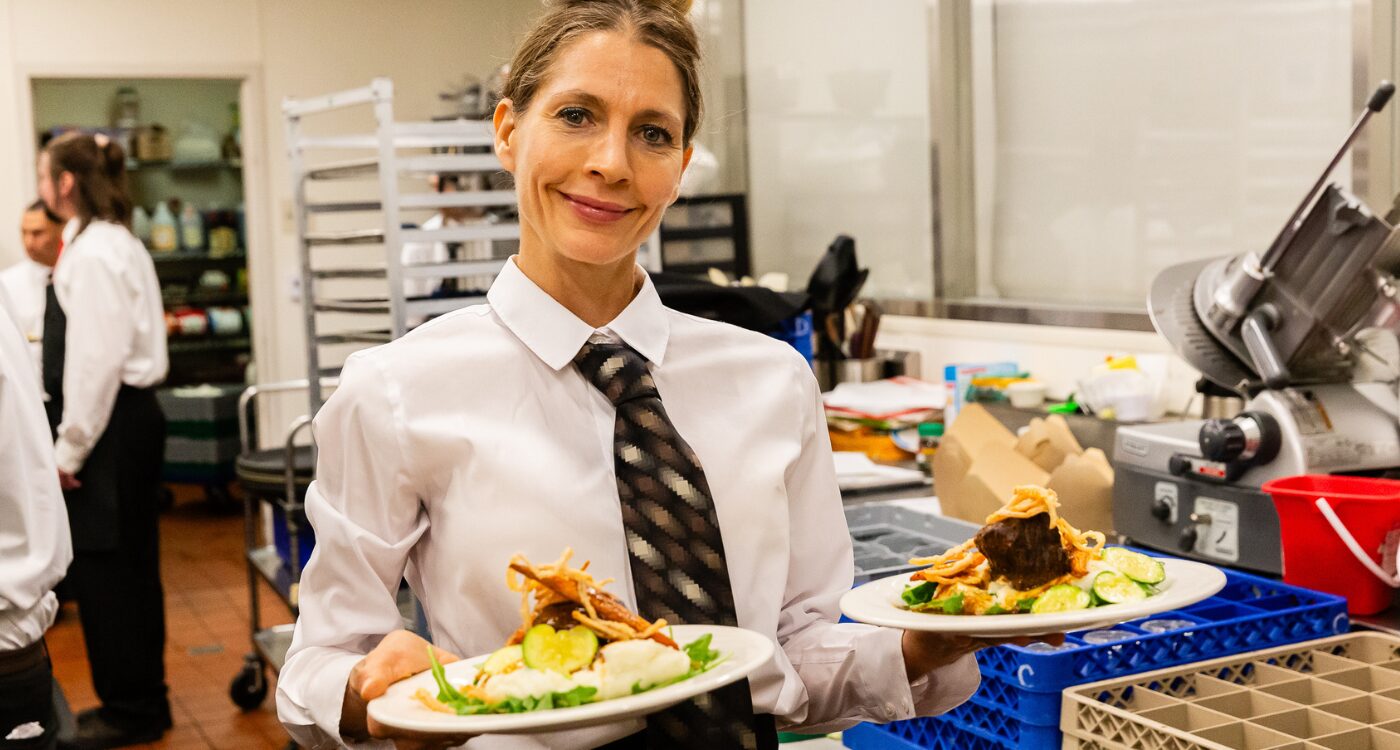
x=1290 y=331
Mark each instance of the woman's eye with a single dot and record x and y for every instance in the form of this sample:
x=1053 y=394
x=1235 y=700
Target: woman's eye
x=574 y=116
x=656 y=135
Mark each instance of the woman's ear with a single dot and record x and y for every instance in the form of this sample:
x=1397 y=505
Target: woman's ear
x=504 y=122
x=65 y=184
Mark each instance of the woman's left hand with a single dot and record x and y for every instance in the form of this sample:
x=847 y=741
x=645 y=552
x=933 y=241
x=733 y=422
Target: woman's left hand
x=925 y=652
x=67 y=481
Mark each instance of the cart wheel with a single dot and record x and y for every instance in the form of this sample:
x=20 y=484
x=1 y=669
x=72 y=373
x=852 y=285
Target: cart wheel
x=249 y=688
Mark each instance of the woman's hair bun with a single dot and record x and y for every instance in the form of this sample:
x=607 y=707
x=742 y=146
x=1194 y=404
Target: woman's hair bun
x=113 y=158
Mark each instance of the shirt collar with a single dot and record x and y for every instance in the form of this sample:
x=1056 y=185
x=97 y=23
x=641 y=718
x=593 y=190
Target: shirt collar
x=555 y=334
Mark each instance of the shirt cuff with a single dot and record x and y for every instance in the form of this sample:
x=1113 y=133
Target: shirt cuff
x=310 y=696
x=945 y=688
x=68 y=456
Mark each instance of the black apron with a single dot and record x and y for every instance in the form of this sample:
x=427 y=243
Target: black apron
x=125 y=462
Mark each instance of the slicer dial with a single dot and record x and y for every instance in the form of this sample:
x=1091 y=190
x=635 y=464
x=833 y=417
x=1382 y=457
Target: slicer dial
x=1250 y=438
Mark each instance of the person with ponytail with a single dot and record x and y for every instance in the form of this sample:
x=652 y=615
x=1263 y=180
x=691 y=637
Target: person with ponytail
x=103 y=354
x=687 y=458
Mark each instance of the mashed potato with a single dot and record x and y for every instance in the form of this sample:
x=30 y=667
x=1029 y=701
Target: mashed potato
x=619 y=666
x=626 y=663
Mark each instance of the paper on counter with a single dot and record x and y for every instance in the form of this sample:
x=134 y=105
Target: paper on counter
x=855 y=471
x=882 y=399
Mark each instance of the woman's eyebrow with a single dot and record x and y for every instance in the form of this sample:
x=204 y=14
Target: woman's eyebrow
x=592 y=101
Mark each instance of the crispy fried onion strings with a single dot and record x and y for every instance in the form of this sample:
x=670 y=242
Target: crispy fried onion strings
x=556 y=582
x=965 y=564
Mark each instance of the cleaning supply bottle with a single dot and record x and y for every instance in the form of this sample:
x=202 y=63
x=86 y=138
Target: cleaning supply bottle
x=191 y=229
x=164 y=237
x=141 y=224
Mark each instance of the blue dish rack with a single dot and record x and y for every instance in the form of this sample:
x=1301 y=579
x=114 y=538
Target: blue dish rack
x=1018 y=705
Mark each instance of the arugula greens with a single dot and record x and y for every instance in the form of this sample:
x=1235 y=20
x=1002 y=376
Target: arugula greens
x=702 y=658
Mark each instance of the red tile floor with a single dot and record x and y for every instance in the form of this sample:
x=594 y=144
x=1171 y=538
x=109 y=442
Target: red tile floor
x=206 y=614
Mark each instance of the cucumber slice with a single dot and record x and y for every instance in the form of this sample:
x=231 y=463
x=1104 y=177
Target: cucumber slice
x=1116 y=588
x=1136 y=565
x=502 y=659
x=1065 y=597
x=564 y=651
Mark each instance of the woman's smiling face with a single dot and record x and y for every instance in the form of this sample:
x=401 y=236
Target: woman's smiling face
x=598 y=155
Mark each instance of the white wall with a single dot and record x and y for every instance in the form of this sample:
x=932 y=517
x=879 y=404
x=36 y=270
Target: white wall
x=838 y=122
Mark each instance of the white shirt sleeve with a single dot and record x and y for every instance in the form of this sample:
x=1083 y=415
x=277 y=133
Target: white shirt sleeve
x=99 y=336
x=367 y=517
x=36 y=547
x=851 y=672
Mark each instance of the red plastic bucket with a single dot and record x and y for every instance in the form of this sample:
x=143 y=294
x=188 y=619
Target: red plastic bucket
x=1315 y=551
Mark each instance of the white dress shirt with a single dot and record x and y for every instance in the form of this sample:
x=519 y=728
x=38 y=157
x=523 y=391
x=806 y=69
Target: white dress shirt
x=35 y=546
x=473 y=438
x=106 y=284
x=26 y=283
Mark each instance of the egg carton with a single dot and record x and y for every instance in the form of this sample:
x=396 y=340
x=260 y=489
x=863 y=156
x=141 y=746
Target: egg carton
x=1338 y=693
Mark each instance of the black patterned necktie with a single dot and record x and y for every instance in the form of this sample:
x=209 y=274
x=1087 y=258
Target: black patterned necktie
x=674 y=547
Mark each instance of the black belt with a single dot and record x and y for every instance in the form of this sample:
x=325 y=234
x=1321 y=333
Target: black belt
x=23 y=659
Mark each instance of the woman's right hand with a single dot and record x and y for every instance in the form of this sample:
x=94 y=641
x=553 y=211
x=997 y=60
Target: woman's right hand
x=401 y=654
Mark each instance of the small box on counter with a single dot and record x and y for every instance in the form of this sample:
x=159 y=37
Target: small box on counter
x=980 y=462
x=957 y=378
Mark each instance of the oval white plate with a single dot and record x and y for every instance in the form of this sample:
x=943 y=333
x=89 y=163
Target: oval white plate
x=878 y=603
x=743 y=651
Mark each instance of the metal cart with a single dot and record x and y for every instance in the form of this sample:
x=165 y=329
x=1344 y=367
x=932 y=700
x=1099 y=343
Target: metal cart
x=278 y=479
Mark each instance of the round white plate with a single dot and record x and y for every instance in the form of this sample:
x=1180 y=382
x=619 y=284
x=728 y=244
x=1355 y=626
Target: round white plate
x=742 y=651
x=878 y=603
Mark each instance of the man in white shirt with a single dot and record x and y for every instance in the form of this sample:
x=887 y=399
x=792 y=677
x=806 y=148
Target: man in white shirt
x=37 y=553
x=420 y=253
x=42 y=235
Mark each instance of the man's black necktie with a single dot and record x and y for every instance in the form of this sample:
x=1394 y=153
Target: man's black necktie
x=674 y=548
x=53 y=351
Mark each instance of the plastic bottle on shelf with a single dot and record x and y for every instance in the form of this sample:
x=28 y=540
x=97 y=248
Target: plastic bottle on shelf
x=930 y=435
x=164 y=236
x=191 y=229
x=141 y=224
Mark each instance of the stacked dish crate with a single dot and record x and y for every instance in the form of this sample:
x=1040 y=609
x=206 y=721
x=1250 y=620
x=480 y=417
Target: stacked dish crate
x=1339 y=693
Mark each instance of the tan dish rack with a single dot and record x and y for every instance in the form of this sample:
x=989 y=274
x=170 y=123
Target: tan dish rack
x=1338 y=693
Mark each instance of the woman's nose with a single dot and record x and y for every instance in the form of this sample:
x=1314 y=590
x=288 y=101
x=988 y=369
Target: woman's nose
x=608 y=157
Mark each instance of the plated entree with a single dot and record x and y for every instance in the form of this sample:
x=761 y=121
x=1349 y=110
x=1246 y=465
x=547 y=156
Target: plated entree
x=1028 y=558
x=577 y=644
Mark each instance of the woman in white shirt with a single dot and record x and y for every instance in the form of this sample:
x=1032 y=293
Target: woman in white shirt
x=104 y=351
x=487 y=432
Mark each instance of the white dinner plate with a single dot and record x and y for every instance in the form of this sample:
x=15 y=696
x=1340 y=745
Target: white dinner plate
x=878 y=603
x=742 y=651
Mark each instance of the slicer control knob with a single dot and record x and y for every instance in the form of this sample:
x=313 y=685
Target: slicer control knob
x=1222 y=440
x=1188 y=538
x=1161 y=510
x=1251 y=438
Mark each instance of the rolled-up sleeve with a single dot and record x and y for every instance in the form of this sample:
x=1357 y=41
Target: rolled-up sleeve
x=850 y=672
x=367 y=517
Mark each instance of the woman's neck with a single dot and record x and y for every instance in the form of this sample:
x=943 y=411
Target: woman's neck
x=596 y=294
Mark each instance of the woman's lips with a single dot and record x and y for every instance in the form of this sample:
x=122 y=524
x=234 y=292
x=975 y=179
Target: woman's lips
x=593 y=210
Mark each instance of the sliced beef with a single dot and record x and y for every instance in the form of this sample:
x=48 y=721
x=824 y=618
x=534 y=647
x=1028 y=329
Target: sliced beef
x=558 y=616
x=1028 y=552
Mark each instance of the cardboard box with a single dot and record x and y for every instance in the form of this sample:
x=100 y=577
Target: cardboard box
x=980 y=462
x=153 y=144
